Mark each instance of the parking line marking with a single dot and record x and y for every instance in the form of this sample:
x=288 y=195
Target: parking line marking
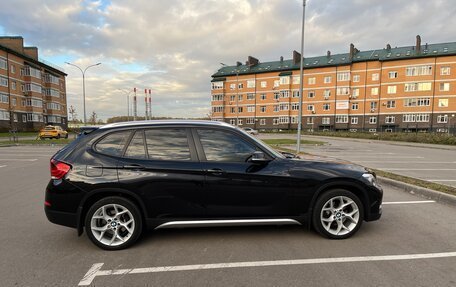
x=422 y=169
x=18 y=159
x=441 y=179
x=408 y=202
x=2 y=166
x=95 y=270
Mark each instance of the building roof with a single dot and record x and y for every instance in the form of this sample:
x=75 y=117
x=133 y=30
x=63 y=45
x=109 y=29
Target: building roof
x=398 y=53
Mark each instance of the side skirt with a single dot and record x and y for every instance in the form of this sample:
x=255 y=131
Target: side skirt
x=229 y=222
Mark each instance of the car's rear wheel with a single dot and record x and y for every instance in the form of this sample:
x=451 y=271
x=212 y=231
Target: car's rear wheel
x=113 y=223
x=338 y=214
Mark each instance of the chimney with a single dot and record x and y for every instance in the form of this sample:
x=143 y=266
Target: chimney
x=281 y=59
x=32 y=52
x=418 y=44
x=238 y=64
x=296 y=58
x=252 y=61
x=388 y=47
x=352 y=51
x=328 y=54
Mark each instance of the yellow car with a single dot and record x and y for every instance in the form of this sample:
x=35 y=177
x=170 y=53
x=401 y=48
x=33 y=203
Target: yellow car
x=52 y=132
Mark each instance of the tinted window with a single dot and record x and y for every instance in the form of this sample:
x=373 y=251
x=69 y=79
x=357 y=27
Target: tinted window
x=113 y=143
x=167 y=144
x=224 y=146
x=136 y=147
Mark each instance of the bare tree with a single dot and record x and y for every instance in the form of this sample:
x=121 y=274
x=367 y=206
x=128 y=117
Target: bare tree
x=72 y=112
x=93 y=118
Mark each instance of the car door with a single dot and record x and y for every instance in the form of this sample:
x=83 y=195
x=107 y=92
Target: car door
x=234 y=186
x=161 y=166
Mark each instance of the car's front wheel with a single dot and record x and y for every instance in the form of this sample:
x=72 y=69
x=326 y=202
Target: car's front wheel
x=338 y=214
x=113 y=223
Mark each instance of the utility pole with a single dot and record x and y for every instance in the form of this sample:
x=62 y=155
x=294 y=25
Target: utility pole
x=134 y=106
x=301 y=79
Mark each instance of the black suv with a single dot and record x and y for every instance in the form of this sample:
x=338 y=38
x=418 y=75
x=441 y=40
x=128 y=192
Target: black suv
x=120 y=178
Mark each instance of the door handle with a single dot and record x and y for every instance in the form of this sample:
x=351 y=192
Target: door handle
x=134 y=167
x=216 y=171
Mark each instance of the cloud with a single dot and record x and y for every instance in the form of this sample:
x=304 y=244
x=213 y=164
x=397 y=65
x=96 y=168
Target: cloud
x=174 y=46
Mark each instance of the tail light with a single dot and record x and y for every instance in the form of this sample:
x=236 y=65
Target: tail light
x=59 y=169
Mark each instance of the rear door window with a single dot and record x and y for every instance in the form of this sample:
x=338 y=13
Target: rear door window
x=168 y=144
x=113 y=144
x=136 y=148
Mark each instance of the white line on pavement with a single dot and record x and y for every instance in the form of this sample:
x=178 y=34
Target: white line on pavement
x=423 y=169
x=440 y=179
x=418 y=162
x=95 y=270
x=18 y=159
x=2 y=166
x=408 y=202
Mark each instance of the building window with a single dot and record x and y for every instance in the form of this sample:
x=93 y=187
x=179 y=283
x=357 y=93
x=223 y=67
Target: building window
x=311 y=81
x=250 y=83
x=390 y=119
x=216 y=109
x=412 y=87
x=326 y=107
x=284 y=94
x=232 y=98
x=444 y=87
x=232 y=122
x=310 y=108
x=3 y=81
x=442 y=119
x=443 y=103
x=284 y=80
x=263 y=97
x=264 y=84
x=240 y=122
x=295 y=106
x=250 y=96
x=354 y=120
x=240 y=86
x=327 y=79
x=355 y=106
x=217 y=85
x=232 y=86
x=276 y=108
x=341 y=119
x=355 y=93
x=240 y=109
x=343 y=76
x=250 y=121
x=391 y=104
x=375 y=77
x=311 y=94
x=13 y=85
x=445 y=71
x=374 y=91
x=373 y=105
x=262 y=122
x=392 y=89
x=250 y=109
x=327 y=94
x=240 y=97
x=343 y=91
x=262 y=109
x=284 y=107
x=4 y=115
x=418 y=70
x=276 y=95
x=356 y=78
x=3 y=64
x=12 y=69
x=420 y=102
x=411 y=118
x=284 y=120
x=275 y=121
x=372 y=120
x=217 y=98
x=310 y=120
x=276 y=83
x=392 y=75
x=294 y=120
x=296 y=80
x=295 y=94
x=232 y=110
x=4 y=98
x=325 y=121
x=13 y=101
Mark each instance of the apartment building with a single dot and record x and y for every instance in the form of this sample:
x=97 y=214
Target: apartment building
x=32 y=91
x=409 y=88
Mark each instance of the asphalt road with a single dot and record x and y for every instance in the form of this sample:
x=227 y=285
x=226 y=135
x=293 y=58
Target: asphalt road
x=411 y=245
x=434 y=163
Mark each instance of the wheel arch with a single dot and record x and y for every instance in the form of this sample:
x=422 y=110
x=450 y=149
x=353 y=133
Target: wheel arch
x=101 y=193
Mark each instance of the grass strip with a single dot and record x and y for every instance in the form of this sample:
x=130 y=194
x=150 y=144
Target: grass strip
x=291 y=141
x=418 y=182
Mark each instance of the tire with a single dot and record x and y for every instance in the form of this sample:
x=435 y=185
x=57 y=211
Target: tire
x=334 y=222
x=58 y=136
x=111 y=232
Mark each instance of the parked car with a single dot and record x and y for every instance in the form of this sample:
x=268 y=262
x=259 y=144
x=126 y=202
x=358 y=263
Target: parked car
x=251 y=131
x=121 y=178
x=52 y=132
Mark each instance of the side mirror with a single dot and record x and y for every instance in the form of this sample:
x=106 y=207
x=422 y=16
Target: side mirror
x=259 y=157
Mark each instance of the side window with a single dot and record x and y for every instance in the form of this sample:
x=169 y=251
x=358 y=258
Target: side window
x=167 y=144
x=136 y=148
x=113 y=143
x=224 y=146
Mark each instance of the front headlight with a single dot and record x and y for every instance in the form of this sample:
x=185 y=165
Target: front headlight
x=371 y=179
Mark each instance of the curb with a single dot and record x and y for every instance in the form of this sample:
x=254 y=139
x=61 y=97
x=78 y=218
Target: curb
x=420 y=191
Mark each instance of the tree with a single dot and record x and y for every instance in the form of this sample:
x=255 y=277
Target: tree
x=93 y=118
x=72 y=112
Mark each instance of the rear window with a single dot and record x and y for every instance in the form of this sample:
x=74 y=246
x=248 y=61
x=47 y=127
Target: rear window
x=49 y=128
x=113 y=143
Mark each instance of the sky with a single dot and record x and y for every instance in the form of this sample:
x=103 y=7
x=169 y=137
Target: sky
x=173 y=47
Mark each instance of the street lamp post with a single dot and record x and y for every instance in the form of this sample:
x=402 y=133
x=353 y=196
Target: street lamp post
x=449 y=123
x=301 y=70
x=127 y=92
x=83 y=85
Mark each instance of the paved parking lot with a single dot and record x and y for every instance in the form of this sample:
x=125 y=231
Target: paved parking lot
x=411 y=245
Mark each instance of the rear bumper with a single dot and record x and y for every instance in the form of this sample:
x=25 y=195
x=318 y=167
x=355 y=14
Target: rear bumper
x=61 y=218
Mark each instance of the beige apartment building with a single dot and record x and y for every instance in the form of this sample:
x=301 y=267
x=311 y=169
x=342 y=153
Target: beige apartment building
x=409 y=88
x=32 y=92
